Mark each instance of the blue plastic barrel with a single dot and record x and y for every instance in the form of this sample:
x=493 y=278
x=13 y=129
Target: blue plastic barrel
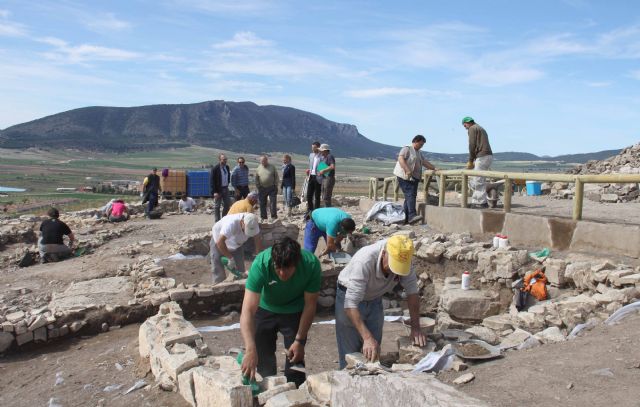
x=534 y=188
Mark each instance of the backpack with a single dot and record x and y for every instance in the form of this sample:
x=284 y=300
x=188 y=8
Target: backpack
x=29 y=259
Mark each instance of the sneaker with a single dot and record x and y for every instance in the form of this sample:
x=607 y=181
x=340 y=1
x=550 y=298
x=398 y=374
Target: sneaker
x=415 y=219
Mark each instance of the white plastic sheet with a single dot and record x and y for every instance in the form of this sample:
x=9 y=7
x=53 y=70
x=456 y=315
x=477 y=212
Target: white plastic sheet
x=386 y=212
x=623 y=313
x=436 y=361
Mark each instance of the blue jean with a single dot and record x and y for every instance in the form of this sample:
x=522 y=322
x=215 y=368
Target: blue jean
x=347 y=336
x=312 y=235
x=410 y=191
x=153 y=201
x=287 y=193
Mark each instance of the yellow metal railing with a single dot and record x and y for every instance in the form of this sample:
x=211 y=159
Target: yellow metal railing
x=508 y=177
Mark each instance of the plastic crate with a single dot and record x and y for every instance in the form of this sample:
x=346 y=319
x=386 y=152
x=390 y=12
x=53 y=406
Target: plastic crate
x=198 y=184
x=534 y=188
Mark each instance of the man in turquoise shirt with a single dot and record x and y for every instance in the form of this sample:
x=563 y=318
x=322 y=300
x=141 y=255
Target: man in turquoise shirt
x=280 y=295
x=332 y=224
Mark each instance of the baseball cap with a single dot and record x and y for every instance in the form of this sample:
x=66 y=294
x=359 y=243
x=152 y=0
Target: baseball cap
x=325 y=147
x=251 y=224
x=400 y=251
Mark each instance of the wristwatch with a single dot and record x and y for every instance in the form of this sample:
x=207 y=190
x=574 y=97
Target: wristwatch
x=302 y=342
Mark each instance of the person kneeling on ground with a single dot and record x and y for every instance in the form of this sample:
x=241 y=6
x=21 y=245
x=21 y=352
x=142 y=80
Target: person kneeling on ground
x=281 y=296
x=118 y=212
x=51 y=243
x=245 y=205
x=373 y=271
x=332 y=224
x=227 y=237
x=186 y=204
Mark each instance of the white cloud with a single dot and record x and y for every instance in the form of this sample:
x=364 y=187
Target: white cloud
x=10 y=28
x=381 y=92
x=227 y=6
x=558 y=45
x=247 y=54
x=244 y=39
x=64 y=52
x=106 y=22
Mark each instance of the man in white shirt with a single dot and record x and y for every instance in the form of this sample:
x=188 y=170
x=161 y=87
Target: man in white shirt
x=186 y=204
x=227 y=237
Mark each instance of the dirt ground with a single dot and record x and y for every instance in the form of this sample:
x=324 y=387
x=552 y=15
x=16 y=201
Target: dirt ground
x=550 y=375
x=567 y=374
x=602 y=368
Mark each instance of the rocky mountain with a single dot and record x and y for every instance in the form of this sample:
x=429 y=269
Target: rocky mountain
x=234 y=126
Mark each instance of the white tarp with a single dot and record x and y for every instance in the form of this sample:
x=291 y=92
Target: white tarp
x=386 y=212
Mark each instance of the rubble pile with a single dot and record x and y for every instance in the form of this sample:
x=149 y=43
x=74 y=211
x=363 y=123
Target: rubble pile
x=181 y=361
x=626 y=162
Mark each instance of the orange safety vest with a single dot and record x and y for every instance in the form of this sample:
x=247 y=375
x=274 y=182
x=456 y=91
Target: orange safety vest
x=536 y=284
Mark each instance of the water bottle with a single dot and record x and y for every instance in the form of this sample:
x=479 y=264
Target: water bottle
x=496 y=241
x=466 y=281
x=504 y=242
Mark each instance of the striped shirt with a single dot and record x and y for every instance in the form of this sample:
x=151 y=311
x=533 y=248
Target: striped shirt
x=240 y=176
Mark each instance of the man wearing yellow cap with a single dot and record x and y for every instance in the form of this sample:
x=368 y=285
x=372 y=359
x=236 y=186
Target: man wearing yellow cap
x=373 y=271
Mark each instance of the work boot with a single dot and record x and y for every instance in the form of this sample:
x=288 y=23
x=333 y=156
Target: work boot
x=415 y=219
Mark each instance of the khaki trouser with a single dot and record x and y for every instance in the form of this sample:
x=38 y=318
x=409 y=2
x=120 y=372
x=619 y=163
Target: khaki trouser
x=478 y=184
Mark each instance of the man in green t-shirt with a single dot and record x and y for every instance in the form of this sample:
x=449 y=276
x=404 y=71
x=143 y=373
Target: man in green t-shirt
x=280 y=295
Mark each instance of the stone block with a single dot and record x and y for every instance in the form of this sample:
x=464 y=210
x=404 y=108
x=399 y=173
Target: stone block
x=607 y=238
x=40 y=334
x=215 y=388
x=270 y=382
x=326 y=301
x=158 y=298
x=39 y=322
x=185 y=387
x=629 y=279
x=484 y=334
x=354 y=359
x=20 y=327
x=410 y=353
x=402 y=367
x=7 y=327
x=432 y=252
x=204 y=292
x=175 y=364
x=147 y=335
x=498 y=323
x=268 y=394
x=554 y=270
x=291 y=398
x=454 y=220
x=515 y=339
x=6 y=340
x=550 y=335
x=181 y=294
x=468 y=305
x=609 y=296
x=408 y=390
x=24 y=338
x=527 y=230
x=15 y=316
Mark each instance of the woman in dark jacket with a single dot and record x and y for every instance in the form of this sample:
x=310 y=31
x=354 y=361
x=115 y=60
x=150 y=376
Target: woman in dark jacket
x=288 y=182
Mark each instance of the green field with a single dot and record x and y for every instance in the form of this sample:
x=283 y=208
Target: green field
x=41 y=172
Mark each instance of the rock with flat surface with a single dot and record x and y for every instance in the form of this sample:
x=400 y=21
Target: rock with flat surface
x=400 y=389
x=468 y=305
x=465 y=378
x=216 y=388
x=515 y=339
x=266 y=395
x=484 y=334
x=498 y=323
x=94 y=293
x=291 y=398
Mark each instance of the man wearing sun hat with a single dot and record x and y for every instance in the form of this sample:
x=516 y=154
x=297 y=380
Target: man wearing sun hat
x=227 y=237
x=373 y=271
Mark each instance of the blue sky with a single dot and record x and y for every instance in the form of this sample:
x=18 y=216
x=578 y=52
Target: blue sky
x=547 y=77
